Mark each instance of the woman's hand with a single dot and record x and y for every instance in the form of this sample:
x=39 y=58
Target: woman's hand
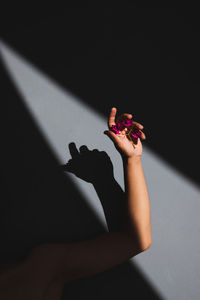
x=121 y=142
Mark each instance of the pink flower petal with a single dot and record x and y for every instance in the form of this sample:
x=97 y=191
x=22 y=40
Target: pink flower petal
x=115 y=129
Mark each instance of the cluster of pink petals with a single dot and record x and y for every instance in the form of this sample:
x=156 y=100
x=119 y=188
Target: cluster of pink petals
x=126 y=123
x=116 y=128
x=135 y=133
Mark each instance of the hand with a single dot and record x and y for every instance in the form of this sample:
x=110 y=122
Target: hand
x=125 y=147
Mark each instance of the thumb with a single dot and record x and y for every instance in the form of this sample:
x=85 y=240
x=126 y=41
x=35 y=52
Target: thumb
x=111 y=135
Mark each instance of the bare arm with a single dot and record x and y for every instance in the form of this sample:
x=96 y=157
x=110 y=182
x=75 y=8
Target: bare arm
x=86 y=258
x=90 y=257
x=137 y=218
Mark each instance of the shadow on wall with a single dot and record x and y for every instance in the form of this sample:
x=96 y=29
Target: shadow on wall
x=41 y=204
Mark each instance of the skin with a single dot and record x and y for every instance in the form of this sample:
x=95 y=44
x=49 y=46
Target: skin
x=48 y=267
x=121 y=142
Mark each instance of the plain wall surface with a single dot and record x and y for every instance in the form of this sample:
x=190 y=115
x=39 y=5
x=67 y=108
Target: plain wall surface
x=44 y=204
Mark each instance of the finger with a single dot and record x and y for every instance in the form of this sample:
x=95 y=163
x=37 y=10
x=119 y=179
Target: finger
x=143 y=136
x=83 y=149
x=123 y=116
x=111 y=119
x=73 y=150
x=124 y=131
x=140 y=126
x=111 y=135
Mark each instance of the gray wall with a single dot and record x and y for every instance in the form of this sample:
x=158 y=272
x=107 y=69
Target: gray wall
x=170 y=269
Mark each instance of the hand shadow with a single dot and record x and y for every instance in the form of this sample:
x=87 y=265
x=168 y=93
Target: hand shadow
x=95 y=167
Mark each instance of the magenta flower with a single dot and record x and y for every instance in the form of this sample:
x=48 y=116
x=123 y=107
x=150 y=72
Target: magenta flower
x=127 y=122
x=115 y=129
x=132 y=132
x=135 y=133
x=120 y=126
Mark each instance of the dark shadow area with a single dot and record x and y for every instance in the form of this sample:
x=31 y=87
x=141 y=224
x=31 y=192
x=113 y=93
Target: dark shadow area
x=40 y=204
x=141 y=59
x=95 y=167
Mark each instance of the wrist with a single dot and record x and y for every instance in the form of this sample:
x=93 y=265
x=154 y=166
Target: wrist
x=132 y=159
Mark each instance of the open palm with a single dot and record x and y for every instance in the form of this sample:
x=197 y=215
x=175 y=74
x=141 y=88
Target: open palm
x=126 y=147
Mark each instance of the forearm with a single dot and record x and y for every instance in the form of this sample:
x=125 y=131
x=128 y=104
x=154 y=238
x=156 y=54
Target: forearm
x=136 y=218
